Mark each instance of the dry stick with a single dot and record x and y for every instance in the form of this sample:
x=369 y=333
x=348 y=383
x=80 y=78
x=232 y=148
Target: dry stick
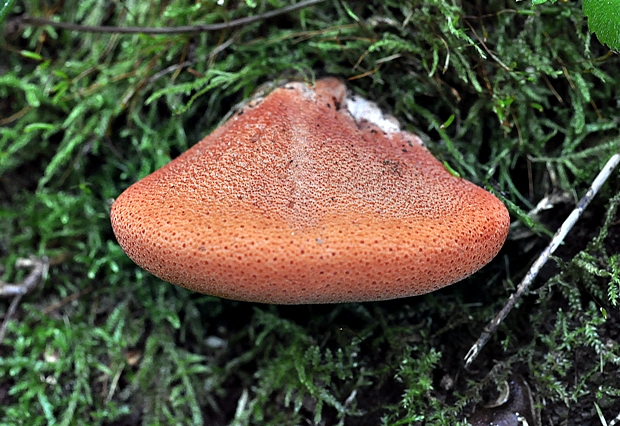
x=175 y=67
x=189 y=29
x=9 y=314
x=66 y=300
x=39 y=270
x=542 y=259
x=615 y=420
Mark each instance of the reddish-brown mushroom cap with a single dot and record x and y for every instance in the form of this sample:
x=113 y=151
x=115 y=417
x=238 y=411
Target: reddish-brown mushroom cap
x=309 y=196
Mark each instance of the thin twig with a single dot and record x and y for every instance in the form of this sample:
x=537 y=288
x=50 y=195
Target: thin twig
x=503 y=65
x=542 y=259
x=176 y=67
x=59 y=304
x=168 y=70
x=39 y=270
x=9 y=314
x=188 y=29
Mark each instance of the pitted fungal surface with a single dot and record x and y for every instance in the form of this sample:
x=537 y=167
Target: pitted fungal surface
x=295 y=201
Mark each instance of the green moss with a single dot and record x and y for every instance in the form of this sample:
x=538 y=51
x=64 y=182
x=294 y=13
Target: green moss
x=522 y=101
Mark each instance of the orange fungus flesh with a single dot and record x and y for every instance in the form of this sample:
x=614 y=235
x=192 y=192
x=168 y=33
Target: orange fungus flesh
x=309 y=195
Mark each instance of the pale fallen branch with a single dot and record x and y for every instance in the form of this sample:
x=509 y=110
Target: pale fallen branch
x=39 y=268
x=559 y=236
x=187 y=29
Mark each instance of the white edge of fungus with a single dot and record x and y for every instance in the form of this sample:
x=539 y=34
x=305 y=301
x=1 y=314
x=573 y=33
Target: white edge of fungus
x=304 y=89
x=360 y=109
x=364 y=110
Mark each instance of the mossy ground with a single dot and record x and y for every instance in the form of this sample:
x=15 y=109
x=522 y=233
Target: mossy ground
x=532 y=105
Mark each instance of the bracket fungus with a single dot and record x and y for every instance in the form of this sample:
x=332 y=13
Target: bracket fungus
x=309 y=195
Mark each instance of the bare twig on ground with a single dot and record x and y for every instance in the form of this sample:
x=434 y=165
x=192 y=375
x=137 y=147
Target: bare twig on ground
x=188 y=29
x=39 y=268
x=68 y=299
x=559 y=236
x=615 y=420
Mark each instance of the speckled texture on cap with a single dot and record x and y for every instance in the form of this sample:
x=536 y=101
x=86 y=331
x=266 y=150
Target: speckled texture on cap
x=293 y=201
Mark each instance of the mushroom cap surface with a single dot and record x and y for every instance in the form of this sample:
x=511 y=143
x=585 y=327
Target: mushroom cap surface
x=309 y=196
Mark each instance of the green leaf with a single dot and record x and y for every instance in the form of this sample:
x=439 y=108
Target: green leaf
x=32 y=127
x=451 y=170
x=5 y=7
x=537 y=106
x=604 y=20
x=31 y=55
x=448 y=122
